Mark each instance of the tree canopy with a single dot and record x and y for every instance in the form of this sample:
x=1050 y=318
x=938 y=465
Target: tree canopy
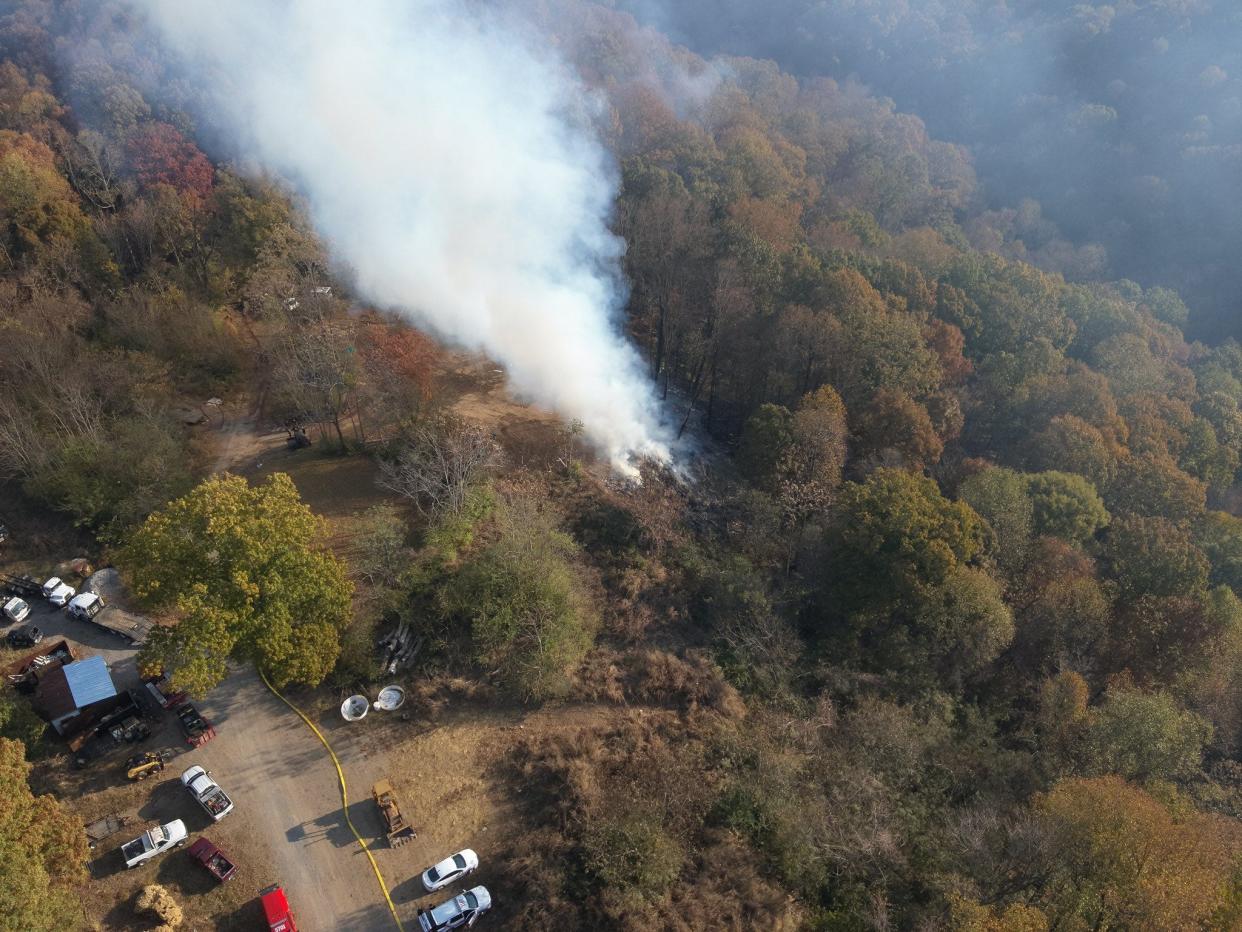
x=244 y=570
x=42 y=852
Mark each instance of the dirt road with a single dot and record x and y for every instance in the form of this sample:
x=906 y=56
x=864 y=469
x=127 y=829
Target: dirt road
x=283 y=782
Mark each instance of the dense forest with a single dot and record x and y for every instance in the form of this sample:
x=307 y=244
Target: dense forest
x=943 y=629
x=1118 y=123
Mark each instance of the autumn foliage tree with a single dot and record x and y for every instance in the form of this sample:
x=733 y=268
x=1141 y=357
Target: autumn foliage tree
x=1122 y=858
x=42 y=852
x=161 y=155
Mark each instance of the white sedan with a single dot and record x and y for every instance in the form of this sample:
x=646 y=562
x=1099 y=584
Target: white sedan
x=16 y=610
x=450 y=870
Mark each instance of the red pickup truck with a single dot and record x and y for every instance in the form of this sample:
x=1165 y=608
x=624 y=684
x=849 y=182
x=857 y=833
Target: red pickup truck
x=276 y=909
x=212 y=858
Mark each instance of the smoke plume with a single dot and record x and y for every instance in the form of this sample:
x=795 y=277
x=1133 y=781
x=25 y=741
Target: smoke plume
x=449 y=161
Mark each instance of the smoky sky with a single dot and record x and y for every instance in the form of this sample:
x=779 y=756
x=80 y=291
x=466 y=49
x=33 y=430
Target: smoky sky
x=1124 y=120
x=450 y=160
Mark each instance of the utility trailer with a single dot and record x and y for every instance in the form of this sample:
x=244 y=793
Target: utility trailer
x=27 y=587
x=104 y=828
x=122 y=725
x=399 y=831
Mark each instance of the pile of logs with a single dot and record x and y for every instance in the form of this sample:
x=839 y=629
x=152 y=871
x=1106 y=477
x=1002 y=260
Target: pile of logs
x=399 y=647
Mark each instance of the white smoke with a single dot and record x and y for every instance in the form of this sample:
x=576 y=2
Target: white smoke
x=447 y=160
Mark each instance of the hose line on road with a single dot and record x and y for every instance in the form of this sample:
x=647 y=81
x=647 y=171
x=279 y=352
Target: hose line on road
x=344 y=798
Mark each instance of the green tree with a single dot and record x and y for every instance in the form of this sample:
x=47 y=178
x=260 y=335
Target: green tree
x=895 y=534
x=244 y=569
x=1070 y=444
x=766 y=445
x=18 y=721
x=1154 y=485
x=1145 y=736
x=1066 y=506
x=529 y=613
x=1063 y=610
x=1001 y=497
x=1154 y=556
x=42 y=852
x=1220 y=536
x=895 y=429
x=1206 y=458
x=632 y=853
x=949 y=632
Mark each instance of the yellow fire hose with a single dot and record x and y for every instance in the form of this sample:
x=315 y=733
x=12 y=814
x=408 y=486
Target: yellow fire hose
x=344 y=799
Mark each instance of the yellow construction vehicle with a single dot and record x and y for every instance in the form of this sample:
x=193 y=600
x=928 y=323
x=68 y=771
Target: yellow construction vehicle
x=141 y=766
x=399 y=830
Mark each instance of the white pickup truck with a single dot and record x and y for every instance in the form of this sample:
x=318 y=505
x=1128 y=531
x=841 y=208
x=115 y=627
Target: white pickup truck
x=208 y=793
x=154 y=841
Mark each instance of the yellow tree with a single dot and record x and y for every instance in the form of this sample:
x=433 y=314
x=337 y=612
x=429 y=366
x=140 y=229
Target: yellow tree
x=1123 y=859
x=244 y=569
x=42 y=852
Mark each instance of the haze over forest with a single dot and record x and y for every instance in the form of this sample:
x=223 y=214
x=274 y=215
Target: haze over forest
x=1121 y=121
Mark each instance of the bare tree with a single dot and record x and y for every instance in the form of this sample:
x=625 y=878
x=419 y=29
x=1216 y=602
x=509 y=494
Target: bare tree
x=315 y=370
x=438 y=466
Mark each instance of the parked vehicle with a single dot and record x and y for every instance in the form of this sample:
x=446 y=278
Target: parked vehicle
x=16 y=610
x=450 y=870
x=399 y=830
x=164 y=695
x=87 y=606
x=57 y=591
x=141 y=766
x=458 y=913
x=208 y=793
x=24 y=674
x=27 y=636
x=25 y=586
x=154 y=842
x=198 y=731
x=276 y=909
x=216 y=861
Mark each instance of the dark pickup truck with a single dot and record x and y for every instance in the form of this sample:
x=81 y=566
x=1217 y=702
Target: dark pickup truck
x=212 y=858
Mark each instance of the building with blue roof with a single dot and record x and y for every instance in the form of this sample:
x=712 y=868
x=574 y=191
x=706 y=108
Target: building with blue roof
x=75 y=695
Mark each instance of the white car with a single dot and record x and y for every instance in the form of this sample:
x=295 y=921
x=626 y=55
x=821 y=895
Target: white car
x=58 y=592
x=450 y=870
x=458 y=913
x=16 y=610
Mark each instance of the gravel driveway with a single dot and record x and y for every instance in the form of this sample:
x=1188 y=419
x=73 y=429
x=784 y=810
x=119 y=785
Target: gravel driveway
x=284 y=784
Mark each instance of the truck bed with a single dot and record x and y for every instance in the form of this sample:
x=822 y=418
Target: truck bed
x=212 y=858
x=134 y=627
x=216 y=802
